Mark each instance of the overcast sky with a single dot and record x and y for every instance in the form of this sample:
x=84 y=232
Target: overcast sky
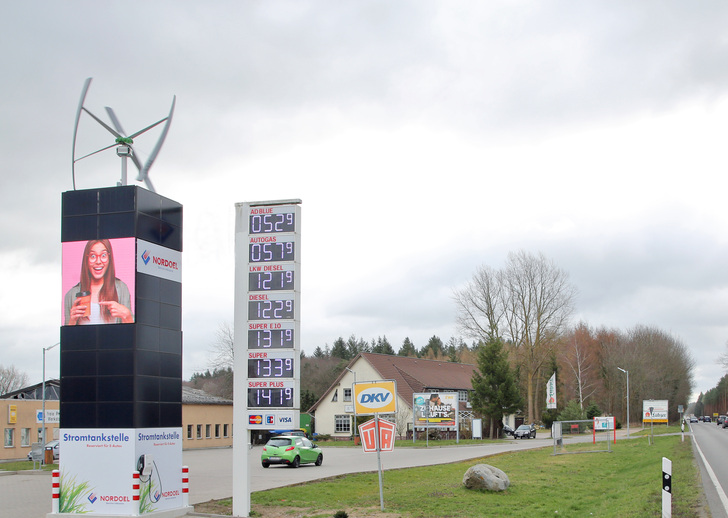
x=424 y=139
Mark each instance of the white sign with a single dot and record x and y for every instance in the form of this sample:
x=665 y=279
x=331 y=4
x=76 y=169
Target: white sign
x=158 y=261
x=89 y=485
x=658 y=412
x=52 y=416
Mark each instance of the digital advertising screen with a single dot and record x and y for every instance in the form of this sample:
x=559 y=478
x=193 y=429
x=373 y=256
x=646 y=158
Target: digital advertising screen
x=98 y=281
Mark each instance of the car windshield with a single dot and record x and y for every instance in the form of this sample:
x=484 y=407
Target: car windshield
x=279 y=441
x=524 y=427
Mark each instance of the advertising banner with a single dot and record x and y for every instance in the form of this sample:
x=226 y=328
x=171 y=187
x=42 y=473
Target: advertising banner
x=375 y=397
x=98 y=281
x=159 y=261
x=435 y=409
x=659 y=410
x=551 y=392
x=97 y=466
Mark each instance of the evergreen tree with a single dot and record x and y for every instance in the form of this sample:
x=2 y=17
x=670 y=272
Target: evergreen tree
x=407 y=349
x=382 y=346
x=495 y=389
x=340 y=350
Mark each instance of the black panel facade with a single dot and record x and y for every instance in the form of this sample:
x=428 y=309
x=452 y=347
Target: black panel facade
x=125 y=375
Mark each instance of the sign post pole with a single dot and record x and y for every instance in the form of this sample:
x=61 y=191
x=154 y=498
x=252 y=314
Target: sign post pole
x=379 y=460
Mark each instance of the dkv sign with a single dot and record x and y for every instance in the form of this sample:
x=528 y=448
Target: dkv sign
x=375 y=397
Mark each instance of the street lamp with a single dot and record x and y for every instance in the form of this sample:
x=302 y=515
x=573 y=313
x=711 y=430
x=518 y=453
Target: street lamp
x=627 y=373
x=44 y=392
x=352 y=399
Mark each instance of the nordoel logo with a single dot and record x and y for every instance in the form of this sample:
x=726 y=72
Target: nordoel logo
x=146 y=257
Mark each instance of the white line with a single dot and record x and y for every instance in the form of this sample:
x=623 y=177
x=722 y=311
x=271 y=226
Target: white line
x=711 y=474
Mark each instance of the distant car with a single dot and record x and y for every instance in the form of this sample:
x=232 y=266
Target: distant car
x=693 y=419
x=51 y=444
x=707 y=419
x=507 y=430
x=525 y=431
x=291 y=450
x=720 y=420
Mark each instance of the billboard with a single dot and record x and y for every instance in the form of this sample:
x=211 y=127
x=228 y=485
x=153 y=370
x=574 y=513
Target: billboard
x=98 y=281
x=658 y=414
x=96 y=474
x=375 y=397
x=435 y=409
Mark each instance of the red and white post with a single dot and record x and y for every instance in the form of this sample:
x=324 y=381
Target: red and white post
x=185 y=486
x=135 y=493
x=56 y=492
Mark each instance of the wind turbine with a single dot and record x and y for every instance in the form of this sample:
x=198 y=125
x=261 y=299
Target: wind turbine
x=123 y=142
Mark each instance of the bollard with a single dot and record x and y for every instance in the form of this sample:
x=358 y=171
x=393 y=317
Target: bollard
x=185 y=486
x=135 y=494
x=666 y=488
x=56 y=485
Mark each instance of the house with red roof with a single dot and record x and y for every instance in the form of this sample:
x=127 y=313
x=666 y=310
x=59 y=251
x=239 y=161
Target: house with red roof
x=334 y=411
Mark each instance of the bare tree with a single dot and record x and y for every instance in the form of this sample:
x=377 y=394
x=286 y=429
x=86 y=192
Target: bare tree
x=11 y=379
x=578 y=354
x=223 y=347
x=527 y=303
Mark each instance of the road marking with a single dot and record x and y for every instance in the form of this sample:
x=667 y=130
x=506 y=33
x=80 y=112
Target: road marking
x=711 y=474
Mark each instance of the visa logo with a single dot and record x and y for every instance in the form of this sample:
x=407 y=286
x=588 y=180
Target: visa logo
x=285 y=420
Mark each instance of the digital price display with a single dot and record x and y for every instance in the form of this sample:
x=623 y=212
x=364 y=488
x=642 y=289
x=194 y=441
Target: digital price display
x=270 y=397
x=270 y=310
x=271 y=281
x=268 y=223
x=271 y=339
x=272 y=251
x=270 y=368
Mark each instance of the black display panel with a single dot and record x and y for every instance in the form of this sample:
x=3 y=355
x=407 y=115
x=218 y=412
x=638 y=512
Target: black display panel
x=270 y=310
x=271 y=339
x=270 y=368
x=270 y=397
x=272 y=223
x=270 y=281
x=271 y=252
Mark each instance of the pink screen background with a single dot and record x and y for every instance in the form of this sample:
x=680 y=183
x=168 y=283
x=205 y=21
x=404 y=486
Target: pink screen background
x=124 y=251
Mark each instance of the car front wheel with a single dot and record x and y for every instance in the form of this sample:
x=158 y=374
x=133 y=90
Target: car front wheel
x=320 y=459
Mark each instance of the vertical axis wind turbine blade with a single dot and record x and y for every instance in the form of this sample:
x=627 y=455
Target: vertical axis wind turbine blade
x=143 y=174
x=86 y=86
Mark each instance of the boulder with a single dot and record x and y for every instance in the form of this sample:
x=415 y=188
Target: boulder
x=483 y=476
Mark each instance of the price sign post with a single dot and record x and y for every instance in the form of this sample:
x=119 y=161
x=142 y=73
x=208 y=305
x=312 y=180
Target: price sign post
x=267 y=328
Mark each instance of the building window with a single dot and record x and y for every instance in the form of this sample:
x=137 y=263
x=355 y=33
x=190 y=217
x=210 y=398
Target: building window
x=189 y=431
x=347 y=394
x=342 y=424
x=40 y=435
x=336 y=396
x=25 y=436
x=207 y=431
x=225 y=430
x=463 y=396
x=217 y=431
x=9 y=437
x=199 y=431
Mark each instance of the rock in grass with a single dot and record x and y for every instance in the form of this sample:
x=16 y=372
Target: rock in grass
x=483 y=476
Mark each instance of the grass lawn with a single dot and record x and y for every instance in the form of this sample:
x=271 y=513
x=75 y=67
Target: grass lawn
x=623 y=483
x=23 y=465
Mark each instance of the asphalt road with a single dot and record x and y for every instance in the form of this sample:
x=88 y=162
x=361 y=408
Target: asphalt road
x=712 y=452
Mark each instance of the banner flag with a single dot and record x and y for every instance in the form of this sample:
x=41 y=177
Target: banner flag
x=551 y=392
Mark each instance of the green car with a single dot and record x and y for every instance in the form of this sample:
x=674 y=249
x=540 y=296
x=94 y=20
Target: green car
x=294 y=451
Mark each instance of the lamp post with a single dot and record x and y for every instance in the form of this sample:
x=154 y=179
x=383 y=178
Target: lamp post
x=627 y=373
x=44 y=392
x=352 y=400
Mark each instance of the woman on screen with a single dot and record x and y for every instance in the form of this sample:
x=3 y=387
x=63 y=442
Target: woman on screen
x=99 y=297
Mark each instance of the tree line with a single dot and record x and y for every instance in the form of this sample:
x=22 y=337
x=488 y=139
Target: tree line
x=517 y=319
